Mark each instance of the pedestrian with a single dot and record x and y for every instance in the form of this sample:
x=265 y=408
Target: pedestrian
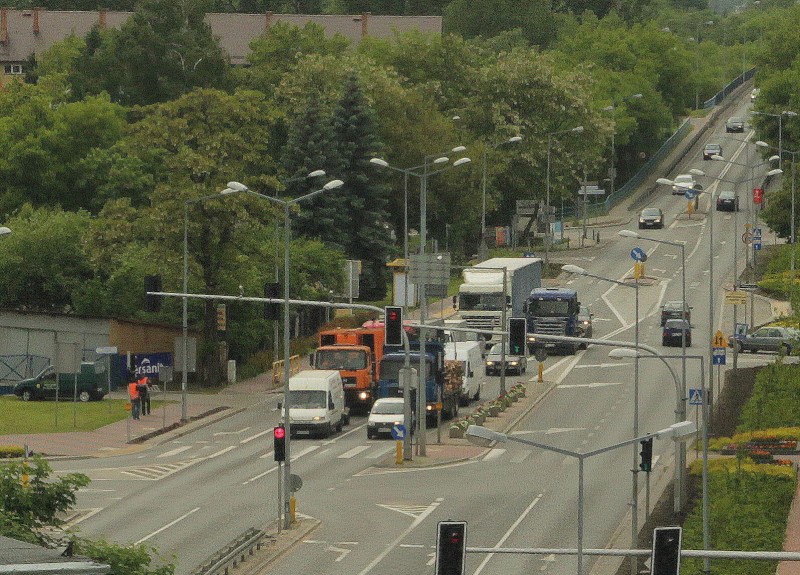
x=133 y=393
x=142 y=385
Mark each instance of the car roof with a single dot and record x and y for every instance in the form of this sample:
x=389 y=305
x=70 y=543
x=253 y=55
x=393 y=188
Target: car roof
x=684 y=178
x=649 y=211
x=734 y=119
x=713 y=145
x=675 y=323
x=727 y=194
x=389 y=400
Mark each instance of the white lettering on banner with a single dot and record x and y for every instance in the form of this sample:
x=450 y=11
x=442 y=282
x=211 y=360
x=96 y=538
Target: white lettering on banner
x=146 y=368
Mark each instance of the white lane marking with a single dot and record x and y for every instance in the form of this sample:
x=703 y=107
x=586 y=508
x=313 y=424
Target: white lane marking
x=520 y=456
x=267 y=454
x=400 y=537
x=595 y=384
x=175 y=451
x=508 y=533
x=167 y=526
x=550 y=431
x=410 y=510
x=256 y=436
x=601 y=365
x=307 y=450
x=221 y=452
x=81 y=517
x=231 y=432
x=353 y=452
x=342 y=552
x=494 y=454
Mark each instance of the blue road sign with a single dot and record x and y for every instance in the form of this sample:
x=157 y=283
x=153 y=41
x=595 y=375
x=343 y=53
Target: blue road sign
x=398 y=431
x=718 y=356
x=689 y=194
x=695 y=396
x=638 y=254
x=756 y=246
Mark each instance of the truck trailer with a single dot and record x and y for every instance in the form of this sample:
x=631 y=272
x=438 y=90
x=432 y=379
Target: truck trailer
x=480 y=296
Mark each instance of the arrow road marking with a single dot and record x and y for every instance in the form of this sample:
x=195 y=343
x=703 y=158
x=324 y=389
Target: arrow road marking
x=410 y=510
x=342 y=552
x=231 y=432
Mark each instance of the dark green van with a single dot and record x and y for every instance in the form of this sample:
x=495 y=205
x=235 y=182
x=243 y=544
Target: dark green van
x=91 y=384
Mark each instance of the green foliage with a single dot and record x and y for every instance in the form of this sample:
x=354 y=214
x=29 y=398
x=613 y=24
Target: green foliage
x=775 y=401
x=38 y=504
x=10 y=451
x=49 y=416
x=487 y=18
x=124 y=560
x=748 y=510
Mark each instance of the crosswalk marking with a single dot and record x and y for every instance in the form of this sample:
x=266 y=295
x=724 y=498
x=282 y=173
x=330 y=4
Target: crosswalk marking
x=353 y=452
x=494 y=454
x=520 y=456
x=175 y=451
x=380 y=452
x=155 y=472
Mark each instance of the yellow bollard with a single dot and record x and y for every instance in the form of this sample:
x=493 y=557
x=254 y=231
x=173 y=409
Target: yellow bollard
x=292 y=509
x=26 y=478
x=541 y=372
x=399 y=455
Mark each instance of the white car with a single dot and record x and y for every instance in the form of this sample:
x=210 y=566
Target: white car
x=681 y=183
x=384 y=415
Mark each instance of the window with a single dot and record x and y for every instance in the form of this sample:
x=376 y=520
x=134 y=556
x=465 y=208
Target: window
x=13 y=68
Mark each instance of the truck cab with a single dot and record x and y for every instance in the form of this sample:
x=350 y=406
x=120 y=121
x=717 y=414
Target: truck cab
x=552 y=311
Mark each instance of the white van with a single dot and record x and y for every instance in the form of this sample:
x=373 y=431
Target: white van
x=316 y=403
x=468 y=353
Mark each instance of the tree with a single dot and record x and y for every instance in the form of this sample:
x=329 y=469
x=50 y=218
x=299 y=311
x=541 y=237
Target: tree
x=488 y=18
x=165 y=49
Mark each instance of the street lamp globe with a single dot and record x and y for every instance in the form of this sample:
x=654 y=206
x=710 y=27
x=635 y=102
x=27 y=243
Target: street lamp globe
x=573 y=269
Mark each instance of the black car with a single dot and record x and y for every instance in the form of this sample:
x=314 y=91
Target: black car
x=734 y=124
x=673 y=332
x=651 y=218
x=727 y=201
x=674 y=310
x=711 y=150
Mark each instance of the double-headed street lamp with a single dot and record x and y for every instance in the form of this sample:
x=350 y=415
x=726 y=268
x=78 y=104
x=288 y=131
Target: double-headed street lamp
x=569 y=268
x=486 y=437
x=575 y=130
x=613 y=109
x=236 y=187
x=788 y=114
x=680 y=477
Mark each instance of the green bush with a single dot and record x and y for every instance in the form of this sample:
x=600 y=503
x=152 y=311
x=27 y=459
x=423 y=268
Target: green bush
x=775 y=401
x=748 y=510
x=9 y=451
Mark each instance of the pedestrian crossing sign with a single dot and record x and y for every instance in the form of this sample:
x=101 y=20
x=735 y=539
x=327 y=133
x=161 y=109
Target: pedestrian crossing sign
x=695 y=396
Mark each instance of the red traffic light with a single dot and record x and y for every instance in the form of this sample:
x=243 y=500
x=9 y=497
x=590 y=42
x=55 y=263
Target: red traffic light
x=280 y=432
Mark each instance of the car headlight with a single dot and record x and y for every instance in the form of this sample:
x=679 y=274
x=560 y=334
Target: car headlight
x=513 y=362
x=641 y=220
x=317 y=418
x=363 y=395
x=585 y=322
x=489 y=363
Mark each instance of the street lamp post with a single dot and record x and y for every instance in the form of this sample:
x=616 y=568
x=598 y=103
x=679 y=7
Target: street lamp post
x=613 y=109
x=236 y=187
x=486 y=437
x=681 y=406
x=575 y=130
x=483 y=249
x=632 y=234
x=634 y=470
x=788 y=114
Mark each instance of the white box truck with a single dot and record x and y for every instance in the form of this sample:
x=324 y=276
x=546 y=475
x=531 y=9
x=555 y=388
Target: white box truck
x=470 y=359
x=480 y=296
x=316 y=403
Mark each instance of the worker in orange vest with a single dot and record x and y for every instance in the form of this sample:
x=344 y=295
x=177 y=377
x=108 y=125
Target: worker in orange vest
x=133 y=393
x=143 y=386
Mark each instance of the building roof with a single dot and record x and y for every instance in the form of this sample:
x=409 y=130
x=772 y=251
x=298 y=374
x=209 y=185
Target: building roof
x=23 y=558
x=25 y=32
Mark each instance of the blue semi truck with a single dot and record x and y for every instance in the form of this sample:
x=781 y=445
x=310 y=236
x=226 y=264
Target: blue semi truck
x=440 y=394
x=552 y=311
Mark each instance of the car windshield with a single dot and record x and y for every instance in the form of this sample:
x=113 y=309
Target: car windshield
x=390 y=368
x=735 y=120
x=497 y=349
x=684 y=179
x=388 y=408
x=676 y=324
x=307 y=398
x=712 y=147
x=673 y=306
x=550 y=307
x=651 y=212
x=727 y=195
x=480 y=301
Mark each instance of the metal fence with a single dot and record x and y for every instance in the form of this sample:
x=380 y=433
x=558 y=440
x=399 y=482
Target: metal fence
x=14 y=368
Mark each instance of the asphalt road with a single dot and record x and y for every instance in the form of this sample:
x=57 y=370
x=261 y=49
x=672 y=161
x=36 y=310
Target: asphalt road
x=191 y=496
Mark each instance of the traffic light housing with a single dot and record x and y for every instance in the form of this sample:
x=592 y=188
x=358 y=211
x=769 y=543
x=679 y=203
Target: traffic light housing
x=666 y=556
x=393 y=325
x=272 y=311
x=646 y=453
x=279 y=447
x=152 y=303
x=451 y=547
x=516 y=335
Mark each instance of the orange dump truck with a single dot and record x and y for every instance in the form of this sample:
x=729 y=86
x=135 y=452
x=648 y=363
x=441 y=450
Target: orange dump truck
x=356 y=353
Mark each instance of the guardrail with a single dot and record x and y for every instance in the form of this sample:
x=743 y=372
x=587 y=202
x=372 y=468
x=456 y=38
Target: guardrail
x=232 y=554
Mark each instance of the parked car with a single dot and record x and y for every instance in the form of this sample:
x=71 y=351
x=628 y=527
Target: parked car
x=672 y=333
x=517 y=364
x=585 y=322
x=683 y=182
x=711 y=149
x=384 y=415
x=768 y=338
x=734 y=124
x=90 y=383
x=727 y=201
x=674 y=310
x=651 y=218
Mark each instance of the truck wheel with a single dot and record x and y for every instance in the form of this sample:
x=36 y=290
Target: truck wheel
x=27 y=395
x=339 y=427
x=477 y=395
x=84 y=396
